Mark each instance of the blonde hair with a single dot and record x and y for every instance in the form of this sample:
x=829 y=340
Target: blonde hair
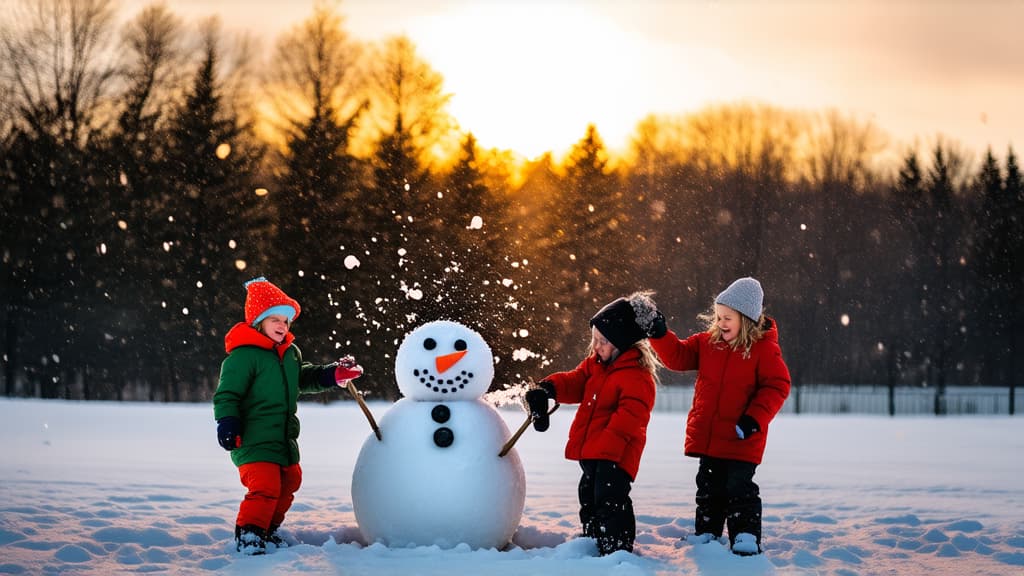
x=750 y=331
x=648 y=358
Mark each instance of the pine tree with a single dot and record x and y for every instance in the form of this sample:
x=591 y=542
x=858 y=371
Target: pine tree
x=1014 y=194
x=313 y=74
x=213 y=229
x=994 y=263
x=911 y=213
x=595 y=232
x=129 y=179
x=944 y=307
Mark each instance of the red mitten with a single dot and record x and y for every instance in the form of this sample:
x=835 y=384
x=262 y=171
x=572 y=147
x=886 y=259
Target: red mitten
x=347 y=370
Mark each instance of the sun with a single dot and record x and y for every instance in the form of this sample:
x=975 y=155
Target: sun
x=529 y=77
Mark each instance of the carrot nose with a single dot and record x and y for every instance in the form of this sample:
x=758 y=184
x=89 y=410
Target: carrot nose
x=445 y=362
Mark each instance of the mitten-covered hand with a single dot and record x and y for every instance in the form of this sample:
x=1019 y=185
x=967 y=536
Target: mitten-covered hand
x=746 y=427
x=658 y=326
x=346 y=370
x=229 y=432
x=341 y=372
x=537 y=399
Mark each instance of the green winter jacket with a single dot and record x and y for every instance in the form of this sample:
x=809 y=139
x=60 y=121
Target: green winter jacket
x=260 y=382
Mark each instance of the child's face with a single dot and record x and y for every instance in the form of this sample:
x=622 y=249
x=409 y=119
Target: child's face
x=602 y=346
x=275 y=327
x=728 y=321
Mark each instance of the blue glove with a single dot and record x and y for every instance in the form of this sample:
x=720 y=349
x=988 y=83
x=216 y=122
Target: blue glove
x=746 y=427
x=229 y=432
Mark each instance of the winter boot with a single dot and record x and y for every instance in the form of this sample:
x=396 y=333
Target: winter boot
x=250 y=540
x=274 y=537
x=745 y=545
x=701 y=538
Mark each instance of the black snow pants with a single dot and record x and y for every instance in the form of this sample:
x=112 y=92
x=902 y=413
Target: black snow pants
x=606 y=511
x=727 y=495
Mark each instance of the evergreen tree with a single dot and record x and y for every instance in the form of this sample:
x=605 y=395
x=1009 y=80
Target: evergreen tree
x=485 y=269
x=945 y=312
x=910 y=212
x=400 y=250
x=1014 y=194
x=994 y=262
x=129 y=178
x=214 y=226
x=594 y=231
x=49 y=238
x=317 y=199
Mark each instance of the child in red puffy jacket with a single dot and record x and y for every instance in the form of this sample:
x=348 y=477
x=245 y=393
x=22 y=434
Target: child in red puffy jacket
x=742 y=382
x=615 y=387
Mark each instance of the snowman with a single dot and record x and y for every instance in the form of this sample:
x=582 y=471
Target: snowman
x=435 y=476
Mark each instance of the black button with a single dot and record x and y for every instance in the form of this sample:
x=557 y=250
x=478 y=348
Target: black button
x=440 y=413
x=444 y=437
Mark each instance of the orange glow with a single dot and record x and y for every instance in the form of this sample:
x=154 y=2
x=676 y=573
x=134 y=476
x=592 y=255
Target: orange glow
x=529 y=78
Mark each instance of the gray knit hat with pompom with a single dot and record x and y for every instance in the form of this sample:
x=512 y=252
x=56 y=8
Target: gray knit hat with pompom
x=744 y=296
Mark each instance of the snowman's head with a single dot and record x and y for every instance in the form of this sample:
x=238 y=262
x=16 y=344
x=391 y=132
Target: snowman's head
x=444 y=360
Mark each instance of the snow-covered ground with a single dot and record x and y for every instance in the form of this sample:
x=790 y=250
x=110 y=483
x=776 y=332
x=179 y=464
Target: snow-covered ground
x=110 y=488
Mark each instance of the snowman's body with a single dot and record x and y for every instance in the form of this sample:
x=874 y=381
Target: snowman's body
x=436 y=478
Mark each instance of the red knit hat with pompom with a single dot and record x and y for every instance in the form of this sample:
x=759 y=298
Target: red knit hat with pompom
x=262 y=299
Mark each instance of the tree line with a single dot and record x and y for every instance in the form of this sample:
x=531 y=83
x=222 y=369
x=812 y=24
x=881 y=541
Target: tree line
x=149 y=169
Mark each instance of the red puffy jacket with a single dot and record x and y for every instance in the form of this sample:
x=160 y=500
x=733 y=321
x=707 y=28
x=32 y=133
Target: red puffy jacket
x=728 y=386
x=615 y=406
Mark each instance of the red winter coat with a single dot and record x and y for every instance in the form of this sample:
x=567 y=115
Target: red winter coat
x=615 y=405
x=728 y=386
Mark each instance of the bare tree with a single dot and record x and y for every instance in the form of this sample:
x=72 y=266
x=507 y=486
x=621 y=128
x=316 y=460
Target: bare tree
x=748 y=151
x=408 y=106
x=151 y=67
x=57 y=76
x=840 y=160
x=55 y=52
x=313 y=72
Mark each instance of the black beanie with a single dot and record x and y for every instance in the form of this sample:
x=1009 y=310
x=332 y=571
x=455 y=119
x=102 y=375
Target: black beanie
x=617 y=322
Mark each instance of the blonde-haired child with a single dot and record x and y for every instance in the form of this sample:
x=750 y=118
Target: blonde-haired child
x=742 y=383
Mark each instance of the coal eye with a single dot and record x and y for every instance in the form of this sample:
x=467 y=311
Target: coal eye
x=429 y=344
x=460 y=345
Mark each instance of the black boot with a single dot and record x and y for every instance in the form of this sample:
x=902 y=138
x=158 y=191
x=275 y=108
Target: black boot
x=250 y=540
x=744 y=510
x=274 y=537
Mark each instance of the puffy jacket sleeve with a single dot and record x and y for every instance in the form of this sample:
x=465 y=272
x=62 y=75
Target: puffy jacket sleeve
x=629 y=421
x=569 y=386
x=676 y=354
x=236 y=376
x=773 y=383
x=314 y=378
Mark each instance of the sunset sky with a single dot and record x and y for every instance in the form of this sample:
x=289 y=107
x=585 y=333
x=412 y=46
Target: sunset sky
x=528 y=75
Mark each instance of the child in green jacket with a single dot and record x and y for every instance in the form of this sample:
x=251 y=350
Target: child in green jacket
x=255 y=408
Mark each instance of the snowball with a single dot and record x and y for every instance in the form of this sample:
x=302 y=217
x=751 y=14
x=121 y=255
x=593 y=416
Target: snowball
x=351 y=262
x=522 y=354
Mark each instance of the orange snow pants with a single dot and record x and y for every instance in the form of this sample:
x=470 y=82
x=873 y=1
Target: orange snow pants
x=272 y=489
